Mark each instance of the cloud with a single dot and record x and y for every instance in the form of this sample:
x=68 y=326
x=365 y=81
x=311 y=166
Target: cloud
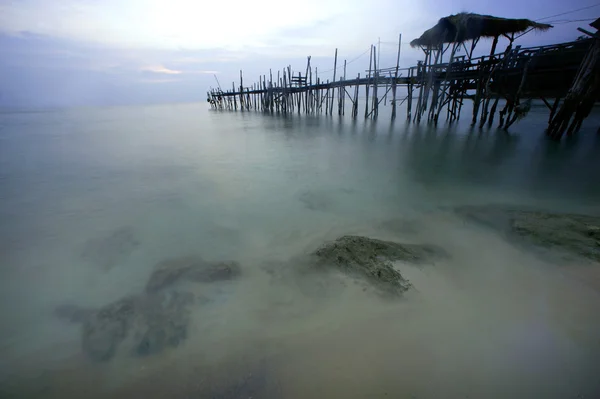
x=160 y=69
x=84 y=51
x=158 y=80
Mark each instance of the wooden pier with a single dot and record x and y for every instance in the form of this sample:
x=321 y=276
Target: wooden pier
x=435 y=87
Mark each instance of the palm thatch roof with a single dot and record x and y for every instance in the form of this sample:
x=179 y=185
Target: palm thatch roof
x=469 y=26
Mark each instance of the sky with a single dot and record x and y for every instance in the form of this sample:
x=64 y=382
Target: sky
x=56 y=53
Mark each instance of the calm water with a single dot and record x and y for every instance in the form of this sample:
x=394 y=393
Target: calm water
x=263 y=190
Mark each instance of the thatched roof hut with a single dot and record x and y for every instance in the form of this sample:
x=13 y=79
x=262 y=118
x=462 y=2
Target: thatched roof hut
x=469 y=26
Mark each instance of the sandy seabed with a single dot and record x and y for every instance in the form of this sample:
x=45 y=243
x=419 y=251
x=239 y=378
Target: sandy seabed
x=495 y=318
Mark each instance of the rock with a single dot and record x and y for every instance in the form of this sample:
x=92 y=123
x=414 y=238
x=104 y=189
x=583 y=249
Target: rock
x=165 y=319
x=190 y=268
x=170 y=271
x=216 y=271
x=148 y=322
x=575 y=234
x=108 y=251
x=104 y=330
x=372 y=258
x=152 y=321
x=316 y=200
x=72 y=313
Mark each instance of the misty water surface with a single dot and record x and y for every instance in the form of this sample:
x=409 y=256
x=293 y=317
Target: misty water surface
x=492 y=320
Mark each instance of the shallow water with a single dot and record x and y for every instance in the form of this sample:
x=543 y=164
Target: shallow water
x=92 y=199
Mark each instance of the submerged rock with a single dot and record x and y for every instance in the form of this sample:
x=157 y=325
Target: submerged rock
x=316 y=200
x=151 y=321
x=163 y=323
x=149 y=324
x=371 y=258
x=108 y=251
x=190 y=268
x=104 y=329
x=72 y=313
x=575 y=234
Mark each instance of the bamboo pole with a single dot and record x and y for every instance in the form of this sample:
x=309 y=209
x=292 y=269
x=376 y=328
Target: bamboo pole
x=333 y=87
x=554 y=108
x=311 y=92
x=242 y=102
x=367 y=84
x=355 y=103
x=327 y=99
x=518 y=94
x=271 y=99
x=233 y=91
x=477 y=98
x=375 y=101
x=307 y=90
x=343 y=103
x=447 y=78
x=267 y=98
x=278 y=102
x=421 y=76
x=394 y=83
x=318 y=91
x=411 y=72
x=299 y=95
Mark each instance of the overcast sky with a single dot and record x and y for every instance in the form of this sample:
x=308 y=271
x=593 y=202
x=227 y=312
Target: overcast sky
x=103 y=52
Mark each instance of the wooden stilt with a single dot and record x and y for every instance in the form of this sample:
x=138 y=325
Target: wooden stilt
x=333 y=88
x=367 y=85
x=395 y=82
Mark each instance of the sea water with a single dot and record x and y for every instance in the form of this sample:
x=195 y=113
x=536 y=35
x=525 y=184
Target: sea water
x=265 y=190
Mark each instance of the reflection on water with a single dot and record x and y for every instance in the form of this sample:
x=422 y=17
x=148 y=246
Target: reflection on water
x=93 y=201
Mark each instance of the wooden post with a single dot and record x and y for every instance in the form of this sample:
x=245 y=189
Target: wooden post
x=278 y=103
x=375 y=101
x=477 y=98
x=421 y=76
x=493 y=49
x=355 y=104
x=367 y=85
x=271 y=99
x=307 y=93
x=267 y=94
x=343 y=102
x=261 y=95
x=242 y=102
x=290 y=95
x=311 y=94
x=299 y=93
x=395 y=82
x=318 y=95
x=492 y=112
x=327 y=99
x=316 y=92
x=518 y=95
x=434 y=83
x=447 y=78
x=333 y=83
x=233 y=91
x=553 y=110
x=409 y=94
